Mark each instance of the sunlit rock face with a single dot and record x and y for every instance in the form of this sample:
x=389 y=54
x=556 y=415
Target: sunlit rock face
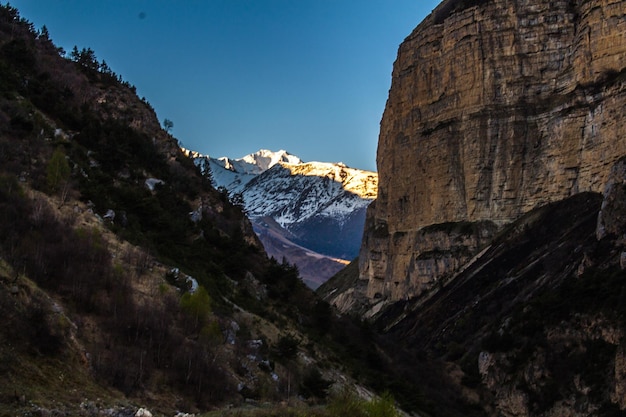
x=495 y=107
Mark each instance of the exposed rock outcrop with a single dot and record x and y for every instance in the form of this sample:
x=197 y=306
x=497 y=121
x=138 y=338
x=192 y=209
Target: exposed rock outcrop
x=531 y=333
x=495 y=108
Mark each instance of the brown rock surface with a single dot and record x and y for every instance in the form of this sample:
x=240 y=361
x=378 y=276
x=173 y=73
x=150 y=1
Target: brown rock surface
x=495 y=108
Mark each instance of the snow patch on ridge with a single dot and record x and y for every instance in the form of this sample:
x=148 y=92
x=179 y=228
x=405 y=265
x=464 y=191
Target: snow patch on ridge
x=234 y=174
x=313 y=203
x=282 y=186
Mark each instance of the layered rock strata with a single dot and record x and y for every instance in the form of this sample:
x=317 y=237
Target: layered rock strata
x=495 y=107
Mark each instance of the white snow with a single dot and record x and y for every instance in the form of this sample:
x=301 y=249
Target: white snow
x=291 y=193
x=142 y=412
x=193 y=284
x=282 y=186
x=234 y=174
x=263 y=160
x=152 y=182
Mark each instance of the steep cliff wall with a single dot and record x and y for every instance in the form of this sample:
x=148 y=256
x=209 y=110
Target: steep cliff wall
x=495 y=107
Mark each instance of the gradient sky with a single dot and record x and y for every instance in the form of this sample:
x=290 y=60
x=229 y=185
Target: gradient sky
x=236 y=76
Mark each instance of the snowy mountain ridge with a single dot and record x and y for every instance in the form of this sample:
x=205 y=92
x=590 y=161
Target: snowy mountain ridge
x=234 y=174
x=310 y=204
x=292 y=193
x=261 y=161
x=281 y=185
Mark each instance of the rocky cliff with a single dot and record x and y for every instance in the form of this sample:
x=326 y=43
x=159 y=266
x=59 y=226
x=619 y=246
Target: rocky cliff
x=534 y=325
x=495 y=108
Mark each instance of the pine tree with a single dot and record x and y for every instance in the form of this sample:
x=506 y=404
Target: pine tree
x=44 y=34
x=207 y=174
x=168 y=125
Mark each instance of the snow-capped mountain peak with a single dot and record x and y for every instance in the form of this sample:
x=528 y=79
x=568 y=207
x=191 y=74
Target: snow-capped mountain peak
x=264 y=159
x=281 y=185
x=311 y=202
x=258 y=162
x=295 y=193
x=254 y=163
x=234 y=174
x=356 y=181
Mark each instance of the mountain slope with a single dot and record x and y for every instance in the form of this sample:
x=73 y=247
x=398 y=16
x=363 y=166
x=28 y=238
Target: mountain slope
x=234 y=174
x=312 y=266
x=534 y=326
x=311 y=203
x=126 y=280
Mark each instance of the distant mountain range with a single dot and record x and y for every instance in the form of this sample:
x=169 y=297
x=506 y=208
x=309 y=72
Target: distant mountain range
x=299 y=209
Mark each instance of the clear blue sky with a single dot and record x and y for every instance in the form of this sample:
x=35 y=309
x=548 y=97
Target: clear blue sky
x=235 y=76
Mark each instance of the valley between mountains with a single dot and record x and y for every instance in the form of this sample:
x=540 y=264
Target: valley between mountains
x=486 y=260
